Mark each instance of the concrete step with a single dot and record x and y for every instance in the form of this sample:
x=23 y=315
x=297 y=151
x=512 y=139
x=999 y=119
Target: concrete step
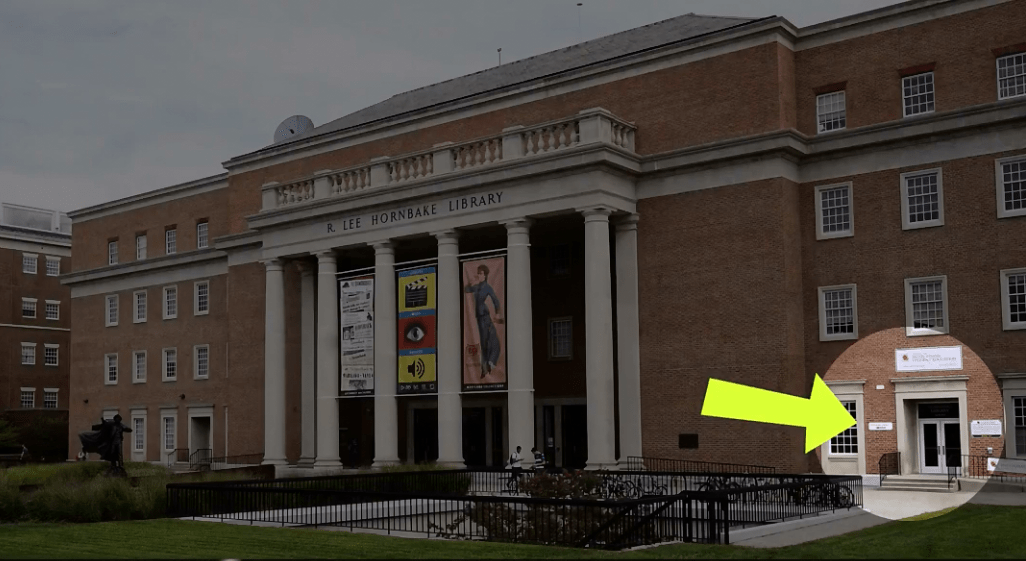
x=916 y=482
x=918 y=488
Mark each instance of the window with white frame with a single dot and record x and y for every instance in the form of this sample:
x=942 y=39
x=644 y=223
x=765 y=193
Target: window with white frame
x=561 y=338
x=49 y=398
x=917 y=94
x=139 y=367
x=170 y=302
x=1013 y=299
x=201 y=298
x=1019 y=412
x=201 y=361
x=28 y=308
x=53 y=309
x=1011 y=72
x=29 y=262
x=922 y=199
x=1011 y=186
x=838 y=313
x=201 y=235
x=112 y=310
x=140 y=246
x=112 y=252
x=169 y=433
x=53 y=266
x=140 y=306
x=138 y=434
x=846 y=443
x=834 y=213
x=170 y=241
x=28 y=354
x=926 y=307
x=170 y=364
x=50 y=354
x=830 y=112
x=28 y=398
x=111 y=362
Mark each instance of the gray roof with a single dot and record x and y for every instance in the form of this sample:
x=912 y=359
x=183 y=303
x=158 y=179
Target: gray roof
x=657 y=34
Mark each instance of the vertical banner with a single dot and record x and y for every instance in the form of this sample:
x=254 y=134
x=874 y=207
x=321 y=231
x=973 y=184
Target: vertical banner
x=484 y=326
x=357 y=321
x=416 y=324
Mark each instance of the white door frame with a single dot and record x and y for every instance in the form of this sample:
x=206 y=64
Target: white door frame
x=942 y=445
x=909 y=391
x=201 y=411
x=557 y=429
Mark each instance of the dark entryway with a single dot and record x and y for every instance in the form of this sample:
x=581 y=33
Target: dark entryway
x=575 y=436
x=475 y=449
x=425 y=435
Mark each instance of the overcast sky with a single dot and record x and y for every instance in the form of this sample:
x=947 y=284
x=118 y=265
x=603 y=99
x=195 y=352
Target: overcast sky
x=101 y=100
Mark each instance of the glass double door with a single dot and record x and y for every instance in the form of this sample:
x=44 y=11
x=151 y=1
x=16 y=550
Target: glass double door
x=940 y=445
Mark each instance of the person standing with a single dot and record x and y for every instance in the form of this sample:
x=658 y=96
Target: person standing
x=515 y=463
x=539 y=459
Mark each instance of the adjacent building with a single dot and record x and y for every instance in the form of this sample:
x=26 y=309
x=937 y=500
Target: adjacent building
x=561 y=252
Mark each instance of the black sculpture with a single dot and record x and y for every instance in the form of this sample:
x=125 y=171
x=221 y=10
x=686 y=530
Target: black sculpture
x=106 y=440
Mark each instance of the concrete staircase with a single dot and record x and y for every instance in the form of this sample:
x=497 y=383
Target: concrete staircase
x=922 y=483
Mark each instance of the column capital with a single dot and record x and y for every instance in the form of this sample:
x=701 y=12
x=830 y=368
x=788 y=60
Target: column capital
x=326 y=256
x=383 y=246
x=449 y=236
x=273 y=264
x=522 y=222
x=306 y=269
x=627 y=222
x=595 y=213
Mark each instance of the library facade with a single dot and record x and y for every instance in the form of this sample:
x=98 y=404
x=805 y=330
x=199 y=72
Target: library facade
x=561 y=252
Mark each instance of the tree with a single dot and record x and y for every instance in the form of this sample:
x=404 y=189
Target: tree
x=8 y=435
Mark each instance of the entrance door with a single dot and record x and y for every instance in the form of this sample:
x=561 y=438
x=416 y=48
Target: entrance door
x=575 y=436
x=475 y=435
x=939 y=445
x=425 y=435
x=200 y=439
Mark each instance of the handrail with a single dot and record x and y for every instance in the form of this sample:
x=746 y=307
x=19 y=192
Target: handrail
x=200 y=457
x=641 y=463
x=174 y=456
x=890 y=464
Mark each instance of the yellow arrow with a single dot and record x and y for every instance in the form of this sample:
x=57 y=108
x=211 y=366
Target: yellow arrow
x=822 y=415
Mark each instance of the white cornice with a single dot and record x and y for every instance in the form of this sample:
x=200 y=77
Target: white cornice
x=39 y=327
x=157 y=264
x=148 y=198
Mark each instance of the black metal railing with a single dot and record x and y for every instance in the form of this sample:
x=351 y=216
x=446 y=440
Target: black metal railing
x=639 y=463
x=200 y=459
x=1007 y=470
x=177 y=456
x=890 y=464
x=239 y=460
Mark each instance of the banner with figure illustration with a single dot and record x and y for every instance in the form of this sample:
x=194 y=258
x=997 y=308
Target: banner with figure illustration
x=356 y=376
x=484 y=324
x=416 y=323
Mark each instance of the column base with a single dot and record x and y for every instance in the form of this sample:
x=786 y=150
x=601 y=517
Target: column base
x=605 y=466
x=624 y=465
x=327 y=464
x=305 y=462
x=274 y=462
x=378 y=464
x=451 y=464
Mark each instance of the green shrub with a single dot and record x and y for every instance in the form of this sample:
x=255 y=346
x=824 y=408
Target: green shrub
x=11 y=507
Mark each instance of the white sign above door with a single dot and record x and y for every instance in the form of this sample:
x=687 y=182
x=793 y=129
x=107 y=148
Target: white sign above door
x=928 y=359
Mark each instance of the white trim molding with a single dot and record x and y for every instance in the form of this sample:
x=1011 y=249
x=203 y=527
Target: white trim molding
x=106 y=369
x=821 y=294
x=111 y=305
x=999 y=185
x=135 y=306
x=195 y=297
x=1013 y=385
x=195 y=362
x=1006 y=306
x=910 y=329
x=163 y=364
x=165 y=301
x=906 y=224
x=136 y=379
x=820 y=234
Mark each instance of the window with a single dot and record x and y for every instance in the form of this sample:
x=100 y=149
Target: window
x=170 y=243
x=140 y=306
x=53 y=309
x=170 y=302
x=1013 y=299
x=50 y=353
x=201 y=361
x=111 y=360
x=202 y=298
x=112 y=252
x=138 y=367
x=1011 y=187
x=28 y=398
x=561 y=338
x=112 y=310
x=170 y=365
x=922 y=199
x=138 y=434
x=28 y=354
x=140 y=246
x=917 y=94
x=830 y=114
x=169 y=433
x=28 y=263
x=838 y=313
x=559 y=260
x=1019 y=406
x=28 y=308
x=201 y=235
x=49 y=398
x=846 y=443
x=53 y=266
x=1011 y=71
x=834 y=217
x=926 y=306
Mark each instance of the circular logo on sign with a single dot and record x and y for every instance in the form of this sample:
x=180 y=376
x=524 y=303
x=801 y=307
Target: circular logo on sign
x=904 y=357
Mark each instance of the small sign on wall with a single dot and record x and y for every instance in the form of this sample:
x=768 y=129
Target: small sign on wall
x=881 y=426
x=986 y=428
x=928 y=359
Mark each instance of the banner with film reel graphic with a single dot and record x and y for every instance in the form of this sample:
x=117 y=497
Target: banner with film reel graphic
x=417 y=338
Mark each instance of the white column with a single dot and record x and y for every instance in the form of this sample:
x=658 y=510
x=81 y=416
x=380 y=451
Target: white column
x=450 y=371
x=327 y=361
x=308 y=323
x=386 y=413
x=598 y=331
x=627 y=341
x=274 y=363
x=519 y=348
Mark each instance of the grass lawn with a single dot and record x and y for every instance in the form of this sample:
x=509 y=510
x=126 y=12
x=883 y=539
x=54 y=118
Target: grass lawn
x=971 y=531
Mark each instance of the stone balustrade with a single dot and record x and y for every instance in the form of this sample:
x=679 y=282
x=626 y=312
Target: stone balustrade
x=588 y=127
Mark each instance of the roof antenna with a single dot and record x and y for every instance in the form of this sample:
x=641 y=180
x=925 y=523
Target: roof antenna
x=500 y=56
x=579 y=22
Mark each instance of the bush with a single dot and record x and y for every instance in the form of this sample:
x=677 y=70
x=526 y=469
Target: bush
x=567 y=485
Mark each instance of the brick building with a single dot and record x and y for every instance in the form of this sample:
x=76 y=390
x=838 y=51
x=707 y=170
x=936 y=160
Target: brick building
x=35 y=249
x=666 y=205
